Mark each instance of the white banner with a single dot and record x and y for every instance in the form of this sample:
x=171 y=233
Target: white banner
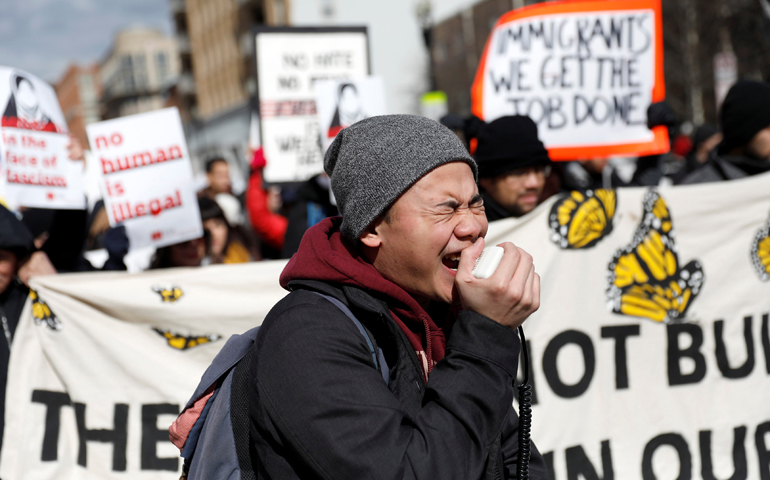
x=650 y=352
x=584 y=71
x=35 y=166
x=289 y=62
x=146 y=177
x=106 y=361
x=341 y=103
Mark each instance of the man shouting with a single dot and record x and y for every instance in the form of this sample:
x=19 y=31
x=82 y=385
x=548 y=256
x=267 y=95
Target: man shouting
x=424 y=389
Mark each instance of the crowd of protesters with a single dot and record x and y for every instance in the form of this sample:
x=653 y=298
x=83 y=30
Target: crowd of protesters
x=515 y=174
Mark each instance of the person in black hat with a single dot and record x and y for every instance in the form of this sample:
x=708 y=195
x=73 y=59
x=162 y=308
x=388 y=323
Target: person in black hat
x=513 y=165
x=16 y=245
x=745 y=148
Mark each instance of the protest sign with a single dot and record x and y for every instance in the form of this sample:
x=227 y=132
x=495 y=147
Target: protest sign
x=341 y=103
x=146 y=177
x=289 y=62
x=29 y=103
x=584 y=71
x=38 y=171
x=35 y=165
x=650 y=352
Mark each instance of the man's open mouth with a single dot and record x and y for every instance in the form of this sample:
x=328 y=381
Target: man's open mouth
x=451 y=261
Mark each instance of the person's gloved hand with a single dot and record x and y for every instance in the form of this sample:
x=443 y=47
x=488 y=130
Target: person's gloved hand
x=660 y=114
x=258 y=160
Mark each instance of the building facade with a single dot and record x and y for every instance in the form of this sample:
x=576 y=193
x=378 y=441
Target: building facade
x=137 y=71
x=79 y=91
x=457 y=44
x=216 y=50
x=216 y=81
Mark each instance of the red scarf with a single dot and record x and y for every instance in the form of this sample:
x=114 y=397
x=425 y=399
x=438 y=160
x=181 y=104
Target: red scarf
x=324 y=255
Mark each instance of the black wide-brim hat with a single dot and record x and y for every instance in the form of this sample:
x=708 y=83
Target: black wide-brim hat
x=509 y=143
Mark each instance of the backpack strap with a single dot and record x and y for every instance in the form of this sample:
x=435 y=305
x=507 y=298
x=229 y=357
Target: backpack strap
x=377 y=356
x=239 y=416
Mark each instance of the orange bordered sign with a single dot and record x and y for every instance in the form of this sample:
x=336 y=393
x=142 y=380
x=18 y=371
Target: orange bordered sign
x=584 y=71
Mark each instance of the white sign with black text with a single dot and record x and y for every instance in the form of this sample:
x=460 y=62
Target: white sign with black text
x=289 y=63
x=585 y=72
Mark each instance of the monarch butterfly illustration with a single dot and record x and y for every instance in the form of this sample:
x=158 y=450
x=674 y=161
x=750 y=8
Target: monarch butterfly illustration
x=645 y=279
x=760 y=252
x=169 y=294
x=580 y=220
x=183 y=342
x=42 y=313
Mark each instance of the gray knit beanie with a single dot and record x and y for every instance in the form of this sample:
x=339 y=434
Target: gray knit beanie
x=374 y=161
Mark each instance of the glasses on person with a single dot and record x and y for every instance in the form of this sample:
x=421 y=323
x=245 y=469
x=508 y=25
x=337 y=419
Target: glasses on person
x=539 y=171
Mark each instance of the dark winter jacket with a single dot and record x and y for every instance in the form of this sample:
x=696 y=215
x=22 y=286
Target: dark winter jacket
x=320 y=409
x=12 y=302
x=576 y=177
x=728 y=167
x=313 y=205
x=14 y=237
x=494 y=210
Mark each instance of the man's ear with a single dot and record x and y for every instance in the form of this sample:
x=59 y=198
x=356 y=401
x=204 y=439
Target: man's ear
x=371 y=236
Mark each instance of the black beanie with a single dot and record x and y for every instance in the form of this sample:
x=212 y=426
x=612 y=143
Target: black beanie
x=209 y=208
x=509 y=143
x=745 y=111
x=14 y=236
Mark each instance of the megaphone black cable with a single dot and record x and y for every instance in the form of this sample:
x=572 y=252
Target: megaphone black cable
x=525 y=415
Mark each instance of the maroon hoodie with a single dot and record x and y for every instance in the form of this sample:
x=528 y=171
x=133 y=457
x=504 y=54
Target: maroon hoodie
x=323 y=255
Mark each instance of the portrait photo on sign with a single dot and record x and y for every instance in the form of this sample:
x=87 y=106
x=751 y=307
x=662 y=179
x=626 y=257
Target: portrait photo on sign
x=341 y=103
x=29 y=103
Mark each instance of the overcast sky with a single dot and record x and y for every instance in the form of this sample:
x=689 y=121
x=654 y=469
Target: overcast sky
x=44 y=36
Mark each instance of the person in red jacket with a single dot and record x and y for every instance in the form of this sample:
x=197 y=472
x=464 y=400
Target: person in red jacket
x=270 y=226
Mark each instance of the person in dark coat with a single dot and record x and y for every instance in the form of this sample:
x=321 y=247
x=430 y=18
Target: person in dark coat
x=705 y=139
x=513 y=166
x=651 y=169
x=745 y=148
x=314 y=203
x=400 y=258
x=16 y=245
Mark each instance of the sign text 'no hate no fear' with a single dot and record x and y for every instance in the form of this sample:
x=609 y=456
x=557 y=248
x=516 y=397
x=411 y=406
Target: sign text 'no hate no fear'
x=290 y=61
